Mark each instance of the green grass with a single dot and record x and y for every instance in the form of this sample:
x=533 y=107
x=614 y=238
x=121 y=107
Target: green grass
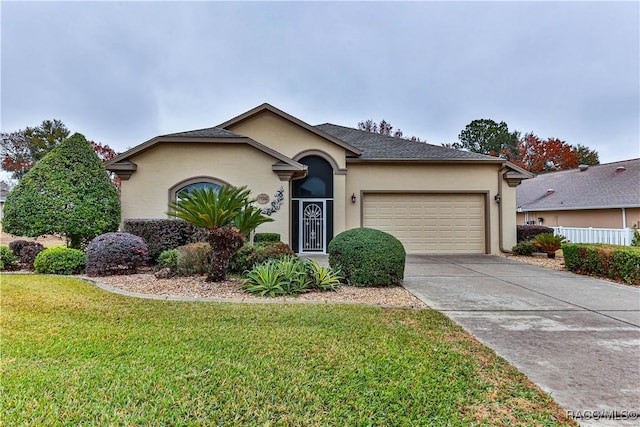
x=73 y=354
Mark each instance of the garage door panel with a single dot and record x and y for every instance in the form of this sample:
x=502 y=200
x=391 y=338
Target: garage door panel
x=429 y=223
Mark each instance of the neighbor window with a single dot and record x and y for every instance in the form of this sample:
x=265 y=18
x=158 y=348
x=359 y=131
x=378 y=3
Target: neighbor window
x=189 y=188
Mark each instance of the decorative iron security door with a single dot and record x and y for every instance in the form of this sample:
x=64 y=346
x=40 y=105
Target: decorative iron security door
x=312 y=226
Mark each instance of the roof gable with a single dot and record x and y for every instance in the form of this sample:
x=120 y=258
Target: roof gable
x=354 y=151
x=597 y=187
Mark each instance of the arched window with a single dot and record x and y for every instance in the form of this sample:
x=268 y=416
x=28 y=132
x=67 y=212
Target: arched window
x=191 y=184
x=188 y=188
x=319 y=180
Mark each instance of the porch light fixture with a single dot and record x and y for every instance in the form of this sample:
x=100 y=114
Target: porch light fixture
x=497 y=198
x=353 y=197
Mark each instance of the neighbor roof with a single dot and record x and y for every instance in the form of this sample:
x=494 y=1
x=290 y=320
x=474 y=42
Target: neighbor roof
x=611 y=185
x=375 y=146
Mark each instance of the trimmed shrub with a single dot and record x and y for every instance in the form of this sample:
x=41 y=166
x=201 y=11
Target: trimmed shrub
x=635 y=240
x=67 y=192
x=368 y=257
x=60 y=261
x=116 y=253
x=163 y=234
x=251 y=255
x=169 y=259
x=26 y=251
x=266 y=237
x=194 y=259
x=8 y=261
x=614 y=262
x=529 y=232
x=524 y=248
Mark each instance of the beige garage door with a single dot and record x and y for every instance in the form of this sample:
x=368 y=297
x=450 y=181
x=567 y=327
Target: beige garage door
x=429 y=223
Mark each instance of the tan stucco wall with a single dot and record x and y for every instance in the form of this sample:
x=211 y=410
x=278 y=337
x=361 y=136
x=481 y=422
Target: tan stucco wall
x=596 y=218
x=146 y=193
x=286 y=137
x=433 y=177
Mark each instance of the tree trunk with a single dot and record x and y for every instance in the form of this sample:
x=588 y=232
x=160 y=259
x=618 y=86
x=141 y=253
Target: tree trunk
x=225 y=242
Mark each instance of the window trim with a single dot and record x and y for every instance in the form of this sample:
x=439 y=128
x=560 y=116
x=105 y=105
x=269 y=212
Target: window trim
x=173 y=191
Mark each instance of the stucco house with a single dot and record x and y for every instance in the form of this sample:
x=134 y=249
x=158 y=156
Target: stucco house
x=601 y=196
x=317 y=181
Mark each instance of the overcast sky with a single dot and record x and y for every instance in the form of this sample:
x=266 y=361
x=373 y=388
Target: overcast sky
x=122 y=73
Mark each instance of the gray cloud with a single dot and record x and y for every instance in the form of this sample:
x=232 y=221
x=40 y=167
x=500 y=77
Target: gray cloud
x=124 y=72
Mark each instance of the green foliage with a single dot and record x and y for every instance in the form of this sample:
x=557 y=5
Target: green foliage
x=368 y=257
x=60 y=261
x=586 y=156
x=614 y=262
x=68 y=192
x=8 y=261
x=163 y=234
x=228 y=215
x=169 y=259
x=524 y=248
x=266 y=237
x=549 y=243
x=20 y=150
x=322 y=278
x=250 y=255
x=635 y=240
x=224 y=207
x=194 y=259
x=485 y=136
x=289 y=276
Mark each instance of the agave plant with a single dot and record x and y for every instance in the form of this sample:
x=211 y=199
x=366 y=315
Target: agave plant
x=227 y=214
x=322 y=278
x=549 y=243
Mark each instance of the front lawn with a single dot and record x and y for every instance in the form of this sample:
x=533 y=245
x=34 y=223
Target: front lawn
x=74 y=354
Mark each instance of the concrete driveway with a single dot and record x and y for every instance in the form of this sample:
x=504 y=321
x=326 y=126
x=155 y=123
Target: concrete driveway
x=576 y=337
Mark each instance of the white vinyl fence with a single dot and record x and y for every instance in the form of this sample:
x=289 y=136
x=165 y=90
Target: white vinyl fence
x=612 y=236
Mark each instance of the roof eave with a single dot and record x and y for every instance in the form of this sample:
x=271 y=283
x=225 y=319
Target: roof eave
x=575 y=208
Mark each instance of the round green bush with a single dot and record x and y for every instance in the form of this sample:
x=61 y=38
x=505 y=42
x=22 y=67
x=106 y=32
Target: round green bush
x=525 y=248
x=169 y=259
x=8 y=261
x=60 y=261
x=368 y=257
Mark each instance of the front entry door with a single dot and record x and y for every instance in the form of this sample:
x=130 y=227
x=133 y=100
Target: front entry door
x=313 y=225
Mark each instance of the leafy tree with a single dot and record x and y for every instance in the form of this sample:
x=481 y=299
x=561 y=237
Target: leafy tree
x=586 y=156
x=22 y=149
x=68 y=192
x=485 y=136
x=538 y=155
x=384 y=128
x=227 y=214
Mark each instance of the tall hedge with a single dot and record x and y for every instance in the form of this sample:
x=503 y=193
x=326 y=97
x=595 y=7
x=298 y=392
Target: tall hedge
x=68 y=192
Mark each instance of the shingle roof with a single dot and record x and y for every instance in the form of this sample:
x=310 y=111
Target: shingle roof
x=214 y=132
x=600 y=186
x=380 y=147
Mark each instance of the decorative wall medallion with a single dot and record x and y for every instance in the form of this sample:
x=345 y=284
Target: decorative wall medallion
x=263 y=198
x=276 y=203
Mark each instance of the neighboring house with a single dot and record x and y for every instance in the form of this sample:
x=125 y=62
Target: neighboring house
x=4 y=190
x=317 y=181
x=601 y=196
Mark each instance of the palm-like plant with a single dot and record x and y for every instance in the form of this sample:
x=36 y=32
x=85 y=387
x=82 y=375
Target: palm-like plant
x=549 y=243
x=227 y=214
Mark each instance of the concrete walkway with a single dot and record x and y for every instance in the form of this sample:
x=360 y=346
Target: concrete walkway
x=576 y=337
